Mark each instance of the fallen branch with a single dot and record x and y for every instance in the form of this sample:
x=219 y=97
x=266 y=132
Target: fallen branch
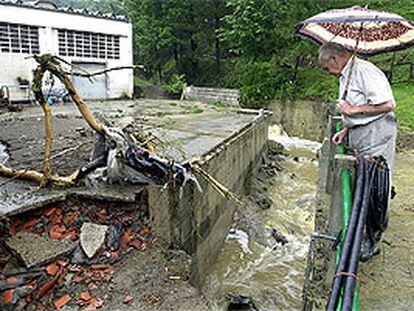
x=24 y=174
x=219 y=187
x=67 y=150
x=52 y=64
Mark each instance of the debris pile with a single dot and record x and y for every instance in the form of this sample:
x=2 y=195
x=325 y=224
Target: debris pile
x=66 y=253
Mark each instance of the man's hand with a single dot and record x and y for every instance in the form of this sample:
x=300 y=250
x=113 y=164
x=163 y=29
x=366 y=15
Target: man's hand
x=339 y=137
x=347 y=109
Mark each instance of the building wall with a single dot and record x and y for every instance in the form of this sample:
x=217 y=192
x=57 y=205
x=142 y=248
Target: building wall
x=119 y=83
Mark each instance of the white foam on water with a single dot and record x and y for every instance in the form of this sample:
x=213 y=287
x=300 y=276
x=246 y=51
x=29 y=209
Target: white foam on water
x=242 y=237
x=277 y=134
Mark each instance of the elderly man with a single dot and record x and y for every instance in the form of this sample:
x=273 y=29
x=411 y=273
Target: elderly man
x=366 y=103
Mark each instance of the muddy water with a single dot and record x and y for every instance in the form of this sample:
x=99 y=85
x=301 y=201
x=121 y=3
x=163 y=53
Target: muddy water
x=252 y=263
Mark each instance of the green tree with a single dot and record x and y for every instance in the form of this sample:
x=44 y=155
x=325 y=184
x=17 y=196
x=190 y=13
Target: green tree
x=104 y=6
x=177 y=37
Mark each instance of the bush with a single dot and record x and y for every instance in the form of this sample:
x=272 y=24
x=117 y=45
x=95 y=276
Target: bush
x=314 y=84
x=260 y=82
x=175 y=85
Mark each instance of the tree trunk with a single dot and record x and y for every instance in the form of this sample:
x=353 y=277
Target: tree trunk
x=216 y=4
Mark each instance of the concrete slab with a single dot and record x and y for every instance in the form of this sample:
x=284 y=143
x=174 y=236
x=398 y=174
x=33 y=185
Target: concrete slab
x=92 y=237
x=195 y=127
x=35 y=249
x=18 y=196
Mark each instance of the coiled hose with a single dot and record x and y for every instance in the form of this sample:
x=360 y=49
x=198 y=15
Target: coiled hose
x=369 y=212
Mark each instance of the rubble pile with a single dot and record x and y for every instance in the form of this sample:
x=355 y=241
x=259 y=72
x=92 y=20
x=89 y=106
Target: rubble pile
x=65 y=254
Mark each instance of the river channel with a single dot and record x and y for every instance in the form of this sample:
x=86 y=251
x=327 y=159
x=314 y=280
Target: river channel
x=252 y=263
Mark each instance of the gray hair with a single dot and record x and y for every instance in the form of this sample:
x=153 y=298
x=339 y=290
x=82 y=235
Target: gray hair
x=329 y=49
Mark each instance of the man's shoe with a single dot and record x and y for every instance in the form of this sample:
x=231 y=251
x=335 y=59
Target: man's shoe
x=366 y=250
x=376 y=249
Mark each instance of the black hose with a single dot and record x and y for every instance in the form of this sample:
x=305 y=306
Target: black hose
x=377 y=218
x=349 y=286
x=349 y=237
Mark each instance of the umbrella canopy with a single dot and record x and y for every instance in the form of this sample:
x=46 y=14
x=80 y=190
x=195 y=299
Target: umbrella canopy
x=360 y=30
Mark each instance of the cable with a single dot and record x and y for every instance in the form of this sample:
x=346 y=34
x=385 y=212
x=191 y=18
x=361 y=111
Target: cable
x=349 y=286
x=349 y=238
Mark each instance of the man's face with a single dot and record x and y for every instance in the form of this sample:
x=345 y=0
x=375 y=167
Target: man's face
x=333 y=65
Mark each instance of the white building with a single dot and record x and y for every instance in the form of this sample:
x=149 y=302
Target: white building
x=89 y=40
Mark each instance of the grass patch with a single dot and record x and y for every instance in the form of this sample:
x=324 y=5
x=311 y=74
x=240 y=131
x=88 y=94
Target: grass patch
x=219 y=106
x=140 y=82
x=404 y=96
x=194 y=110
x=159 y=113
x=191 y=109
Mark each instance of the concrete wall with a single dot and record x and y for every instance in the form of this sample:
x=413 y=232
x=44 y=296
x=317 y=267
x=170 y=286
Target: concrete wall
x=328 y=211
x=212 y=95
x=305 y=119
x=119 y=83
x=199 y=222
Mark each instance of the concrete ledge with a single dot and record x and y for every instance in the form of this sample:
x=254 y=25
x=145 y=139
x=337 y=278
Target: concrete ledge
x=18 y=197
x=199 y=222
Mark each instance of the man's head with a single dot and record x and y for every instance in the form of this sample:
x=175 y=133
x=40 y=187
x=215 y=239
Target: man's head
x=333 y=58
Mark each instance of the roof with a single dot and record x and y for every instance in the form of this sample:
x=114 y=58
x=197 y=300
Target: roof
x=67 y=10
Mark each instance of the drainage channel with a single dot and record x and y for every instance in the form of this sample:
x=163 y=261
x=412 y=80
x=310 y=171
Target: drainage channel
x=255 y=264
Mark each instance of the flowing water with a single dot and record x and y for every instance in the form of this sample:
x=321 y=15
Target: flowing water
x=252 y=263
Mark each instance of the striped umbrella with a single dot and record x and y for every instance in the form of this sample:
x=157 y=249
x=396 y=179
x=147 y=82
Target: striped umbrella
x=362 y=31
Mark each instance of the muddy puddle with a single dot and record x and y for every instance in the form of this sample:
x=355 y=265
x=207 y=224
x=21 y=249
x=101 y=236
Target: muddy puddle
x=252 y=262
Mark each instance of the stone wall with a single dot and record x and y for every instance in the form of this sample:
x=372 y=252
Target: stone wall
x=212 y=95
x=198 y=222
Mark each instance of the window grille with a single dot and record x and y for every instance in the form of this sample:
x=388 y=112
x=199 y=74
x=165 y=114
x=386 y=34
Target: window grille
x=88 y=44
x=16 y=38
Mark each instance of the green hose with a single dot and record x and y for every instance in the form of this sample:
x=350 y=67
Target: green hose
x=346 y=194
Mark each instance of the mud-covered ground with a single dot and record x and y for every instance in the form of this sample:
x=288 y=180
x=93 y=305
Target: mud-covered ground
x=131 y=270
x=186 y=128
x=388 y=279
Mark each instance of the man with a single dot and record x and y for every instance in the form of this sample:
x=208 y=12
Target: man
x=366 y=103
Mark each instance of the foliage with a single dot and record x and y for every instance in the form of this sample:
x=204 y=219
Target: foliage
x=104 y=6
x=175 y=85
x=141 y=82
x=245 y=44
x=405 y=107
x=259 y=81
x=175 y=36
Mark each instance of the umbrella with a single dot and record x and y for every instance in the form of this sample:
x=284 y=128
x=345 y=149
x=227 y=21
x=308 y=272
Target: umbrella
x=362 y=31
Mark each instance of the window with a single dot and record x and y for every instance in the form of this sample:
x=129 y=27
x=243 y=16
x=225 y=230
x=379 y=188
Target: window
x=88 y=44
x=16 y=38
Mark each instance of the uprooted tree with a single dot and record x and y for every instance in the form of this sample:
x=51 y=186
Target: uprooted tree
x=116 y=157
x=53 y=64
x=139 y=162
